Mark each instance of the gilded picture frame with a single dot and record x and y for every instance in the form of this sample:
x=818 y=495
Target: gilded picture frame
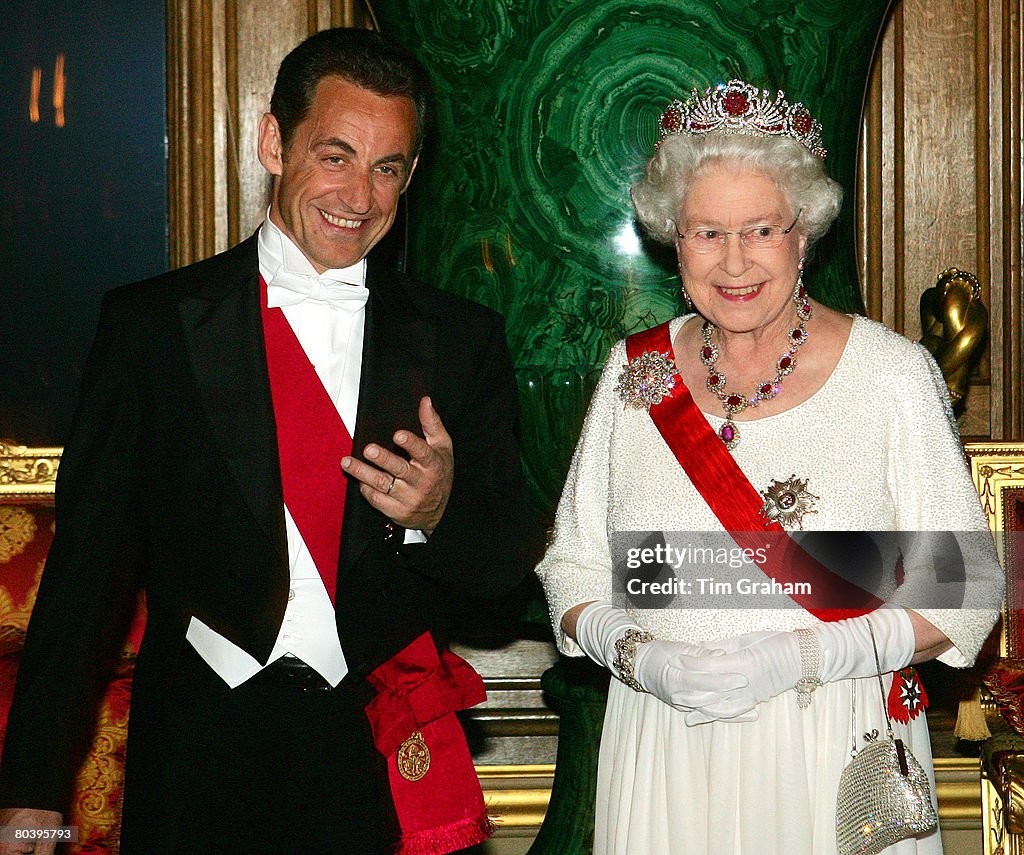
x=28 y=475
x=998 y=472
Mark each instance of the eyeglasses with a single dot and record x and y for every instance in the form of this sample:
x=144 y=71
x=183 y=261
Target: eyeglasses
x=752 y=237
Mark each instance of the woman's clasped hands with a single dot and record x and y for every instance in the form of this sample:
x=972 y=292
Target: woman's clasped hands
x=727 y=680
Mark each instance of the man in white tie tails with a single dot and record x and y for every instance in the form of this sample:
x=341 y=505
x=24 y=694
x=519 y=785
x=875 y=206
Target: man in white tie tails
x=309 y=462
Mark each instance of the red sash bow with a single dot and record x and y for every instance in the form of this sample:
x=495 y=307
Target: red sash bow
x=413 y=716
x=733 y=499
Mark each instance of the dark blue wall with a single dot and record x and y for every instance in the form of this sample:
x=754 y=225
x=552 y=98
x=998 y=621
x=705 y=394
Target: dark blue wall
x=82 y=207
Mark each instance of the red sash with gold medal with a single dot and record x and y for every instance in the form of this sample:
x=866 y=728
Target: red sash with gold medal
x=412 y=718
x=433 y=782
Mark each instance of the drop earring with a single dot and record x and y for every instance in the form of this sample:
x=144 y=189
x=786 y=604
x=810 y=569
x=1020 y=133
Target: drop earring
x=687 y=302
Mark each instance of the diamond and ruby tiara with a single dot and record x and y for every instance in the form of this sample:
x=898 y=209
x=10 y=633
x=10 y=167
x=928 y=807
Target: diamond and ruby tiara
x=739 y=108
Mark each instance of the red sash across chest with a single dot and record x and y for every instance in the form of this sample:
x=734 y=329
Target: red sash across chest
x=735 y=501
x=311 y=440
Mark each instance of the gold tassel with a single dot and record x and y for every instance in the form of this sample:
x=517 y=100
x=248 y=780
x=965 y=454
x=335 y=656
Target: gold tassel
x=970 y=720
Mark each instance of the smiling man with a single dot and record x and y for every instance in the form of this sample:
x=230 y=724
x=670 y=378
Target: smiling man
x=309 y=463
x=340 y=171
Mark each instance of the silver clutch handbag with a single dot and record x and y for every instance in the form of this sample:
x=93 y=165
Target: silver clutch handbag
x=884 y=794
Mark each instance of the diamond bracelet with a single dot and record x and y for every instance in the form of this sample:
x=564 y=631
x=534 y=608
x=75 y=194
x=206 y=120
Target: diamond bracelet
x=810 y=665
x=625 y=654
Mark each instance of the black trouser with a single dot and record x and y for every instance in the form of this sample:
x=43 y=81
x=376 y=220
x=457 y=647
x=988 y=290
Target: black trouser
x=263 y=768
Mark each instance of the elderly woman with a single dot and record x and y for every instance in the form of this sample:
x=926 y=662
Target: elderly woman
x=764 y=412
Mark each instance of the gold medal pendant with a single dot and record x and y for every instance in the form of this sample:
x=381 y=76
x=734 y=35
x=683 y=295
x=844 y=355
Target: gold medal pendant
x=413 y=758
x=787 y=502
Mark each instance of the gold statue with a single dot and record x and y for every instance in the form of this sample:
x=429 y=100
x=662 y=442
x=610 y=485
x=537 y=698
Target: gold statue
x=953 y=326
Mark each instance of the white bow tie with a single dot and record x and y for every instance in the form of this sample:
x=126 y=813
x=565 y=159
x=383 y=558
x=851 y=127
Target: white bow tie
x=289 y=289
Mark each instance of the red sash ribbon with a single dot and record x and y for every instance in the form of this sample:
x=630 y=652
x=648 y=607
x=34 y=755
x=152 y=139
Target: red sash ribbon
x=311 y=440
x=418 y=693
x=735 y=501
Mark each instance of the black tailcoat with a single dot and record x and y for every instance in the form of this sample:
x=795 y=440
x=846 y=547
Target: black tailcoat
x=171 y=480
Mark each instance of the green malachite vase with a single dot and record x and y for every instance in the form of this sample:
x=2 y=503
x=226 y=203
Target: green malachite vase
x=546 y=112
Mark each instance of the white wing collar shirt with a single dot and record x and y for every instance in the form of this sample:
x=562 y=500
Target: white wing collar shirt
x=327 y=313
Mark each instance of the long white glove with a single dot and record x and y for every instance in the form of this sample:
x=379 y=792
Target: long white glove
x=771 y=661
x=657 y=666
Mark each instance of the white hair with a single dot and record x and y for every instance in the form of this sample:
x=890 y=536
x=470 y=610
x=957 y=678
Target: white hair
x=800 y=176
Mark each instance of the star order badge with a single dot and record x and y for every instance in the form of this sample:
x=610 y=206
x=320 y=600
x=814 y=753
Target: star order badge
x=907 y=696
x=787 y=502
x=647 y=379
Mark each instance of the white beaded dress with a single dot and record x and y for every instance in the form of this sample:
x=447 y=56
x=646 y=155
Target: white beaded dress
x=879 y=449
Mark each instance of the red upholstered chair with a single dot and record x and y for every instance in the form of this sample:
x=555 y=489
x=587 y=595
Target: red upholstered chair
x=26 y=531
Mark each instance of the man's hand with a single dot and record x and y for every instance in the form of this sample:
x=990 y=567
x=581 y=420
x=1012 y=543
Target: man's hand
x=28 y=818
x=412 y=493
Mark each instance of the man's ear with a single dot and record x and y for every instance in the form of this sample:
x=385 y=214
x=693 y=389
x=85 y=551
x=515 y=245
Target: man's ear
x=269 y=146
x=412 y=169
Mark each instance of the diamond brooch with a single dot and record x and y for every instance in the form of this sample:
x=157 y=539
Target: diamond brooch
x=647 y=379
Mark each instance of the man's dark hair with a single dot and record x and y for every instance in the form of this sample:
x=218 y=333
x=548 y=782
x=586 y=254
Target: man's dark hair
x=360 y=56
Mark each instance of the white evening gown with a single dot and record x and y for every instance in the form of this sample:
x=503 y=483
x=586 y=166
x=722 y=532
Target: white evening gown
x=879 y=448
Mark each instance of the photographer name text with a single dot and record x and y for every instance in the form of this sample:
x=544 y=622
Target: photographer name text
x=716 y=588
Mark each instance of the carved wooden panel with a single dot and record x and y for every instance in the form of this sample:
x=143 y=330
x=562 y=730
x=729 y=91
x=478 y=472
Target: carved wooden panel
x=940 y=182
